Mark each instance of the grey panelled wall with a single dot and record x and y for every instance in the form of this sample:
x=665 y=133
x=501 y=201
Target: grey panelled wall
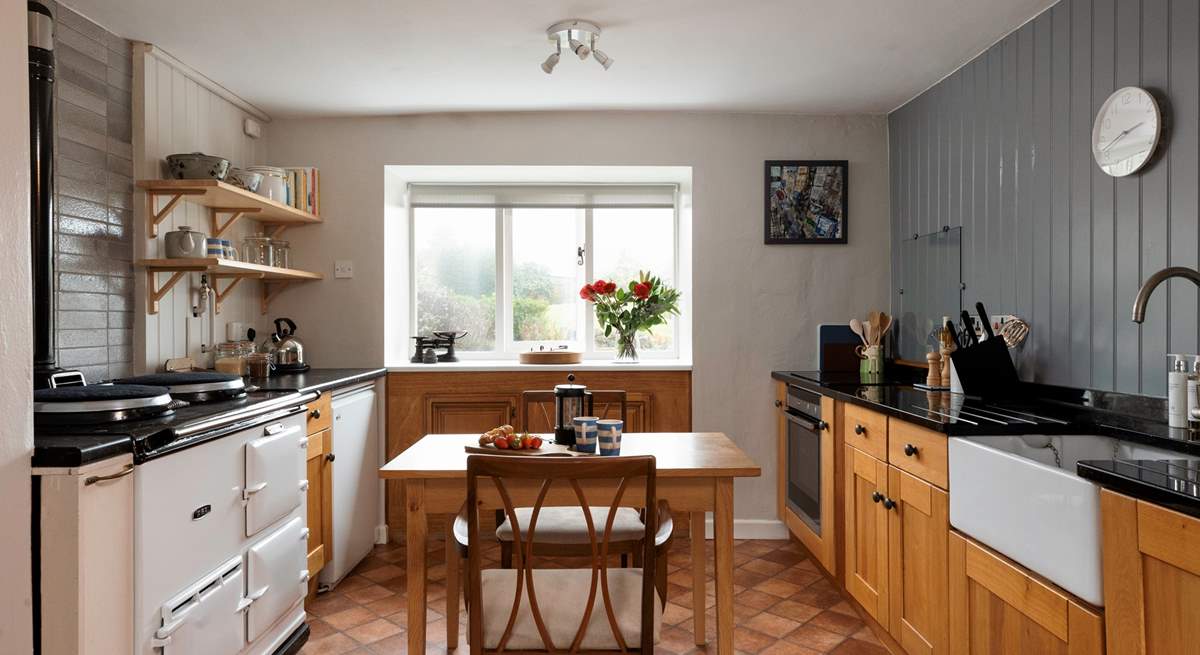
x=1002 y=147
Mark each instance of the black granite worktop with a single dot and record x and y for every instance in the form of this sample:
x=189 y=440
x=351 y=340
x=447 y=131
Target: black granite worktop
x=72 y=446
x=1173 y=483
x=319 y=379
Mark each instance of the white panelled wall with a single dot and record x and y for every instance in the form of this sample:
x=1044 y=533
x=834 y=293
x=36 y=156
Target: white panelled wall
x=179 y=110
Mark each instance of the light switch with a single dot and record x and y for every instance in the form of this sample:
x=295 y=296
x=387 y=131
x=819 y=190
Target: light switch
x=343 y=268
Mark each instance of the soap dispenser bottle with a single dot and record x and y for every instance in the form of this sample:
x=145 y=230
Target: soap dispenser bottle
x=1193 y=394
x=1177 y=386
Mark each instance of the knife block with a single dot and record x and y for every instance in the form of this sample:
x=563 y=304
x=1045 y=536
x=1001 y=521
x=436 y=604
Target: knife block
x=986 y=369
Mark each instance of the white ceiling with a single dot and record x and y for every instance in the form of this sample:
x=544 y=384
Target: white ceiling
x=357 y=57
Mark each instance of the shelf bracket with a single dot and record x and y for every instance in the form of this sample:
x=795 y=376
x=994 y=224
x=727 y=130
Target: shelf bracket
x=268 y=294
x=155 y=293
x=157 y=216
x=233 y=282
x=235 y=213
x=277 y=230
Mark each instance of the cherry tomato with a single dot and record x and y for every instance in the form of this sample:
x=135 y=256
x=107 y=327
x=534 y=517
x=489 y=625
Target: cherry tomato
x=501 y=443
x=536 y=443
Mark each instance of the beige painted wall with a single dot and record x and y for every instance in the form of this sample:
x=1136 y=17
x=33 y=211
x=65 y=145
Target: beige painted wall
x=16 y=334
x=756 y=307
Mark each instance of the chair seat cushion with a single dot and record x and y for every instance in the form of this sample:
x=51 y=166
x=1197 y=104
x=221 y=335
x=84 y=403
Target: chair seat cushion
x=562 y=598
x=567 y=525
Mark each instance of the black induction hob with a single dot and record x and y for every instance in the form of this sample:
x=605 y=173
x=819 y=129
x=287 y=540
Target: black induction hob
x=187 y=426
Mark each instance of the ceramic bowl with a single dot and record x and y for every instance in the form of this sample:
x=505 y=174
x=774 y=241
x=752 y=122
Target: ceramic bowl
x=197 y=166
x=247 y=180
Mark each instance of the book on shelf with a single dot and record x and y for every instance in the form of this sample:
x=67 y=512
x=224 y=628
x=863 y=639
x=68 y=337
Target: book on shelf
x=304 y=188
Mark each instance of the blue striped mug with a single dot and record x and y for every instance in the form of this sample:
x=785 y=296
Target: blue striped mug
x=585 y=434
x=608 y=433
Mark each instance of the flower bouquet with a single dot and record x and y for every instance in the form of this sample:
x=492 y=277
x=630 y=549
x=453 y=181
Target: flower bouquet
x=638 y=306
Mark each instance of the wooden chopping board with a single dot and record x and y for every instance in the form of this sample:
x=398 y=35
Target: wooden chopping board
x=551 y=357
x=547 y=450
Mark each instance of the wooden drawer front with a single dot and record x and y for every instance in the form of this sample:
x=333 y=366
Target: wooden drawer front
x=866 y=431
x=320 y=413
x=928 y=459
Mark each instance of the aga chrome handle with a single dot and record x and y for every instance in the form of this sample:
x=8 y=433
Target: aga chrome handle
x=274 y=429
x=93 y=479
x=250 y=491
x=859 y=429
x=910 y=450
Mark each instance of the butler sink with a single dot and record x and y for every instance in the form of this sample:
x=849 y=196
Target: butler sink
x=1021 y=497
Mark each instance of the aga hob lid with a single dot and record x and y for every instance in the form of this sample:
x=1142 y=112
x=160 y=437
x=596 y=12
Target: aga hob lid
x=190 y=381
x=99 y=398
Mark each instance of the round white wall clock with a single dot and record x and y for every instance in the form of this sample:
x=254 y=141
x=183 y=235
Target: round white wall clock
x=1127 y=129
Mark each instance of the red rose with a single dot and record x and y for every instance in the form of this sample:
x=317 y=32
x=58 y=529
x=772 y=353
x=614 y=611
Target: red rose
x=587 y=292
x=609 y=287
x=642 y=290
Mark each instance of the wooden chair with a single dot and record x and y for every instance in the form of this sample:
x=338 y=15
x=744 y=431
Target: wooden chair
x=564 y=532
x=528 y=609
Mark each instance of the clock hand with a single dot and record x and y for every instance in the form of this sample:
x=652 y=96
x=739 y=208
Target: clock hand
x=1120 y=136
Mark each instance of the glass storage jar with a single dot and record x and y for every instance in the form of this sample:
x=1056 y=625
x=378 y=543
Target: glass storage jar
x=257 y=250
x=259 y=365
x=230 y=358
x=281 y=253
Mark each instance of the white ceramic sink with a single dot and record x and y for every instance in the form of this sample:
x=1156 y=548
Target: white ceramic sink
x=1020 y=496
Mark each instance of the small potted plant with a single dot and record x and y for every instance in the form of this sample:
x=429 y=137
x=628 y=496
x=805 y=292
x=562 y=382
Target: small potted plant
x=638 y=306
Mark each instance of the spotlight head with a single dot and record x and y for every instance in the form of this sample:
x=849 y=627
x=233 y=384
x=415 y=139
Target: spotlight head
x=602 y=59
x=579 y=48
x=550 y=63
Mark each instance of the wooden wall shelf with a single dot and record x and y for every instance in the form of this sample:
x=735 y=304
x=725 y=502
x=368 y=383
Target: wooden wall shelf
x=230 y=270
x=220 y=198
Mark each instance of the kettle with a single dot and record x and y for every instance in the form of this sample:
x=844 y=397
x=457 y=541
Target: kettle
x=287 y=350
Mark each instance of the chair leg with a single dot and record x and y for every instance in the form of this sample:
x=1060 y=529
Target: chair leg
x=506 y=554
x=660 y=576
x=637 y=558
x=453 y=570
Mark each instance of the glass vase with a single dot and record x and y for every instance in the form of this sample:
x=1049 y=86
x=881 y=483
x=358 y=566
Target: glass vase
x=627 y=348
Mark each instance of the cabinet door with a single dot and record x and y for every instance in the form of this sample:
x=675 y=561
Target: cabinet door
x=999 y=608
x=320 y=501
x=1151 y=577
x=918 y=528
x=867 y=532
x=465 y=414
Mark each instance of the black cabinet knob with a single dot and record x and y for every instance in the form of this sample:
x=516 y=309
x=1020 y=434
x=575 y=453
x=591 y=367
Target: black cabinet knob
x=316 y=413
x=888 y=503
x=330 y=457
x=822 y=425
x=778 y=403
x=876 y=497
x=910 y=449
x=859 y=429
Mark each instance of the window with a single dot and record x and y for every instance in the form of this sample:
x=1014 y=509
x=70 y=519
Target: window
x=505 y=263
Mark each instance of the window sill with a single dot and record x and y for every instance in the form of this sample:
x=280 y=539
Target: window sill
x=511 y=365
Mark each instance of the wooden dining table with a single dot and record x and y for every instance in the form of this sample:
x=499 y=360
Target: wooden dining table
x=695 y=472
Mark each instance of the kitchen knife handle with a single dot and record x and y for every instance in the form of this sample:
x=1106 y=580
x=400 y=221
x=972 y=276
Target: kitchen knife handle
x=987 y=322
x=969 y=328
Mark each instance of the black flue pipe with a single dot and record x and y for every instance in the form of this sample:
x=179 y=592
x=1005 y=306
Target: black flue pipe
x=41 y=169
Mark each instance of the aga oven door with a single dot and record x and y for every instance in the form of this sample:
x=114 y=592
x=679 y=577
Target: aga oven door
x=809 y=503
x=275 y=475
x=207 y=617
x=277 y=576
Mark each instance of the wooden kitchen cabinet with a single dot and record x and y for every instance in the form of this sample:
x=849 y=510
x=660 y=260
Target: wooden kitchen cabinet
x=320 y=501
x=467 y=414
x=999 y=608
x=866 y=521
x=918 y=532
x=1151 y=577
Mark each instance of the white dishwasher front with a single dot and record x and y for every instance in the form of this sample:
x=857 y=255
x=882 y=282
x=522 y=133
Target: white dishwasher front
x=355 y=481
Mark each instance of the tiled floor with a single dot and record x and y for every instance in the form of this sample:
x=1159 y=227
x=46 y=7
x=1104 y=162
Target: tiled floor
x=782 y=606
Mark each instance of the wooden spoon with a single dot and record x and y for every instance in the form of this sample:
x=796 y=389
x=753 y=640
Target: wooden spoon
x=887 y=324
x=873 y=327
x=856 y=326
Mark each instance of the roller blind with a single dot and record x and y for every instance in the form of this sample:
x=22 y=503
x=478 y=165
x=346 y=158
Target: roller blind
x=642 y=196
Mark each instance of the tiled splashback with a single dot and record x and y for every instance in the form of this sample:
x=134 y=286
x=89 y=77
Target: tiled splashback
x=93 y=245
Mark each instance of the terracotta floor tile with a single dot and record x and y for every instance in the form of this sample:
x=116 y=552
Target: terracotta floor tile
x=330 y=604
x=373 y=631
x=790 y=609
x=389 y=605
x=752 y=641
x=335 y=644
x=674 y=614
x=788 y=648
x=771 y=624
x=777 y=587
x=369 y=594
x=756 y=599
x=384 y=571
x=347 y=619
x=856 y=647
x=837 y=622
x=815 y=638
x=395 y=645
x=319 y=629
x=764 y=567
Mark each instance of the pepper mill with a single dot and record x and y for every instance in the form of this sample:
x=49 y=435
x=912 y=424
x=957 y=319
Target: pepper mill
x=946 y=367
x=934 y=378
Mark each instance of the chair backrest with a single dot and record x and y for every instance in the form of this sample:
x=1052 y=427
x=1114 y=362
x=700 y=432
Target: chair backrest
x=612 y=477
x=537 y=408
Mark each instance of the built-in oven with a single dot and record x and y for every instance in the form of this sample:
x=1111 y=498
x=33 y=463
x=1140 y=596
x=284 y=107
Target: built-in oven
x=804 y=432
x=808 y=453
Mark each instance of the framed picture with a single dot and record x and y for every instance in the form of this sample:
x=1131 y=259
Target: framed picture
x=805 y=201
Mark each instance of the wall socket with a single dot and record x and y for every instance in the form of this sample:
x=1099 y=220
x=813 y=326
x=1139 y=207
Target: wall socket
x=343 y=268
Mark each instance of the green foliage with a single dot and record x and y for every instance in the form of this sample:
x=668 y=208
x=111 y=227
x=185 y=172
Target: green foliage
x=624 y=312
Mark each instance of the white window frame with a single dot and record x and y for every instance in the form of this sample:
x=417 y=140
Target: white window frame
x=507 y=348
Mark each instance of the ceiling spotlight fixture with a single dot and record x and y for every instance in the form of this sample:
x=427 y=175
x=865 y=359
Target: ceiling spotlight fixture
x=580 y=37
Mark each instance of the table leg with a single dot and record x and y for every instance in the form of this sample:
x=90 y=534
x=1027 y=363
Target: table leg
x=453 y=586
x=417 y=531
x=723 y=544
x=699 y=579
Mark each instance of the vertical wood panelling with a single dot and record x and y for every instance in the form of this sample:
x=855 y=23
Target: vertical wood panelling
x=1002 y=147
x=175 y=113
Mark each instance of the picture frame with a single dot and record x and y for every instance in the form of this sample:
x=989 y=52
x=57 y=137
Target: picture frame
x=805 y=201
